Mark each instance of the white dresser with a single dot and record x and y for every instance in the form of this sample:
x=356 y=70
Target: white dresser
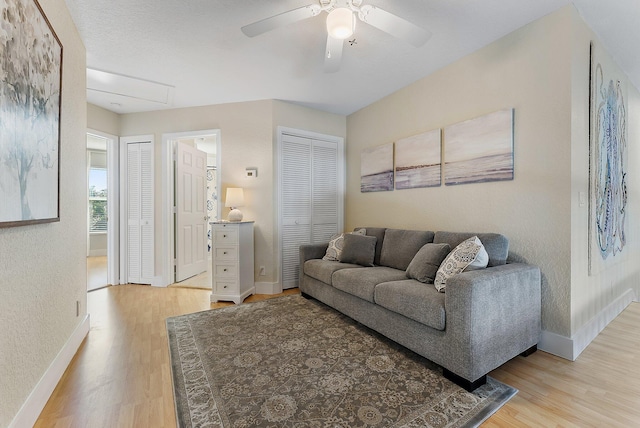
x=232 y=261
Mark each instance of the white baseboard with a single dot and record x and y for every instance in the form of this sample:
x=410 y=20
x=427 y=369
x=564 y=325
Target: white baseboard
x=32 y=407
x=268 y=288
x=571 y=347
x=159 y=281
x=583 y=337
x=556 y=344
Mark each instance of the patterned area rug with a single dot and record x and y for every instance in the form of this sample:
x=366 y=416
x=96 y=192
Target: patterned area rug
x=292 y=362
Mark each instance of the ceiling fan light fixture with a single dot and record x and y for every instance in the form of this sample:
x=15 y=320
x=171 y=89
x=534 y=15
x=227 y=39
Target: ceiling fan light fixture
x=340 y=23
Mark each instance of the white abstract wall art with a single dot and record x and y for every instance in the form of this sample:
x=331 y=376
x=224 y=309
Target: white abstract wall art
x=480 y=149
x=608 y=161
x=30 y=88
x=418 y=161
x=376 y=169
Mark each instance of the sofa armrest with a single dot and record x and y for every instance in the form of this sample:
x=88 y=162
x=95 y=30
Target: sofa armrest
x=493 y=315
x=308 y=252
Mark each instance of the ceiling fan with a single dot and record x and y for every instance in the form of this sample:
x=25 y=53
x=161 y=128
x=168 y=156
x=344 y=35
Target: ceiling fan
x=341 y=22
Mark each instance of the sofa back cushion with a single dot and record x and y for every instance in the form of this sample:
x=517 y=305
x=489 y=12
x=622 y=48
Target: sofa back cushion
x=497 y=245
x=378 y=232
x=358 y=249
x=400 y=246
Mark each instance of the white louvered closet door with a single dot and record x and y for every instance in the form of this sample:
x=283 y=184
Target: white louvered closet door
x=325 y=191
x=140 y=250
x=311 y=198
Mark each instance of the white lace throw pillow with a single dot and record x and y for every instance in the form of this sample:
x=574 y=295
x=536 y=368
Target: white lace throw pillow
x=336 y=244
x=469 y=254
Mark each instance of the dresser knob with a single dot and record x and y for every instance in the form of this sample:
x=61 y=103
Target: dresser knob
x=224 y=286
x=224 y=236
x=225 y=270
x=224 y=252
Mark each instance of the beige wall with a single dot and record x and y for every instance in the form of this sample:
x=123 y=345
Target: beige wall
x=247 y=140
x=43 y=266
x=542 y=71
x=99 y=119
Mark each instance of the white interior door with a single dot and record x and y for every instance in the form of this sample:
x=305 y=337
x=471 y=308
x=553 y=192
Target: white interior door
x=191 y=211
x=140 y=224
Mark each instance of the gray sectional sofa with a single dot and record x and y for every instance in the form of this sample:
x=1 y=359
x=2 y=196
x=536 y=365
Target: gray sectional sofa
x=483 y=319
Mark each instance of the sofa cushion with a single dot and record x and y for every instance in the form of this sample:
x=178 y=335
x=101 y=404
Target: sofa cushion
x=358 y=249
x=336 y=243
x=497 y=245
x=362 y=282
x=323 y=270
x=400 y=246
x=456 y=261
x=413 y=300
x=378 y=232
x=426 y=262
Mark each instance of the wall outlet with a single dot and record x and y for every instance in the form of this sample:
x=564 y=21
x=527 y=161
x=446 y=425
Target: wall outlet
x=262 y=271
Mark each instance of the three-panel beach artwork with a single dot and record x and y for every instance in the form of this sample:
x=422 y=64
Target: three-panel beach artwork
x=473 y=151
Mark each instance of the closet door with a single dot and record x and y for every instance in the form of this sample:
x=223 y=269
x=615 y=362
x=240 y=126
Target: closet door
x=295 y=197
x=140 y=250
x=311 y=187
x=325 y=191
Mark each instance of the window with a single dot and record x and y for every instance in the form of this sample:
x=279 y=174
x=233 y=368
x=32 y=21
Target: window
x=97 y=200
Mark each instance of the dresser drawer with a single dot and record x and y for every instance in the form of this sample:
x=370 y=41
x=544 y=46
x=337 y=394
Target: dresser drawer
x=225 y=254
x=225 y=236
x=225 y=270
x=226 y=287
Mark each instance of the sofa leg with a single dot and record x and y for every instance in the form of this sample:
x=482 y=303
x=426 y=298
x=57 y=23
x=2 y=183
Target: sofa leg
x=462 y=382
x=306 y=296
x=530 y=351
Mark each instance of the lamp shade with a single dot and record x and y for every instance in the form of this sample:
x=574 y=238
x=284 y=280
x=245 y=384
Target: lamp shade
x=235 y=197
x=340 y=23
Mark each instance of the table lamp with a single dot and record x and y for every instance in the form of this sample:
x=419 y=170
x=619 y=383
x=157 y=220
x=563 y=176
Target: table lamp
x=234 y=199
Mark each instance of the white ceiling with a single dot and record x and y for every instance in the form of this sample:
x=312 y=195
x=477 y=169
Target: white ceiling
x=196 y=49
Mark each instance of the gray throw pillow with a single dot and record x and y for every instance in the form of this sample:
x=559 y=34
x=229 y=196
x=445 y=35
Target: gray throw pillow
x=358 y=249
x=335 y=245
x=426 y=262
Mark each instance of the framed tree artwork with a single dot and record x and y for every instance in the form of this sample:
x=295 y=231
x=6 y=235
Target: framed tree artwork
x=607 y=162
x=30 y=101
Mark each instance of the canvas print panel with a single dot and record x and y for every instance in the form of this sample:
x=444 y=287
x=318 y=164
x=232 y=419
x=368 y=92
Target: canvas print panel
x=418 y=161
x=30 y=76
x=479 y=150
x=376 y=169
x=608 y=157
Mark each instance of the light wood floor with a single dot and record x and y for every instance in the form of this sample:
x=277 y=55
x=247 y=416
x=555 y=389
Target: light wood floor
x=96 y=272
x=121 y=376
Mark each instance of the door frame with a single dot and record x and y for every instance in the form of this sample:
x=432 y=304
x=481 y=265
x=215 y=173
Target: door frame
x=281 y=130
x=124 y=253
x=113 y=205
x=168 y=203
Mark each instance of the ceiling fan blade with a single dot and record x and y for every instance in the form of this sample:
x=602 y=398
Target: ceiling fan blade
x=394 y=25
x=333 y=54
x=280 y=20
